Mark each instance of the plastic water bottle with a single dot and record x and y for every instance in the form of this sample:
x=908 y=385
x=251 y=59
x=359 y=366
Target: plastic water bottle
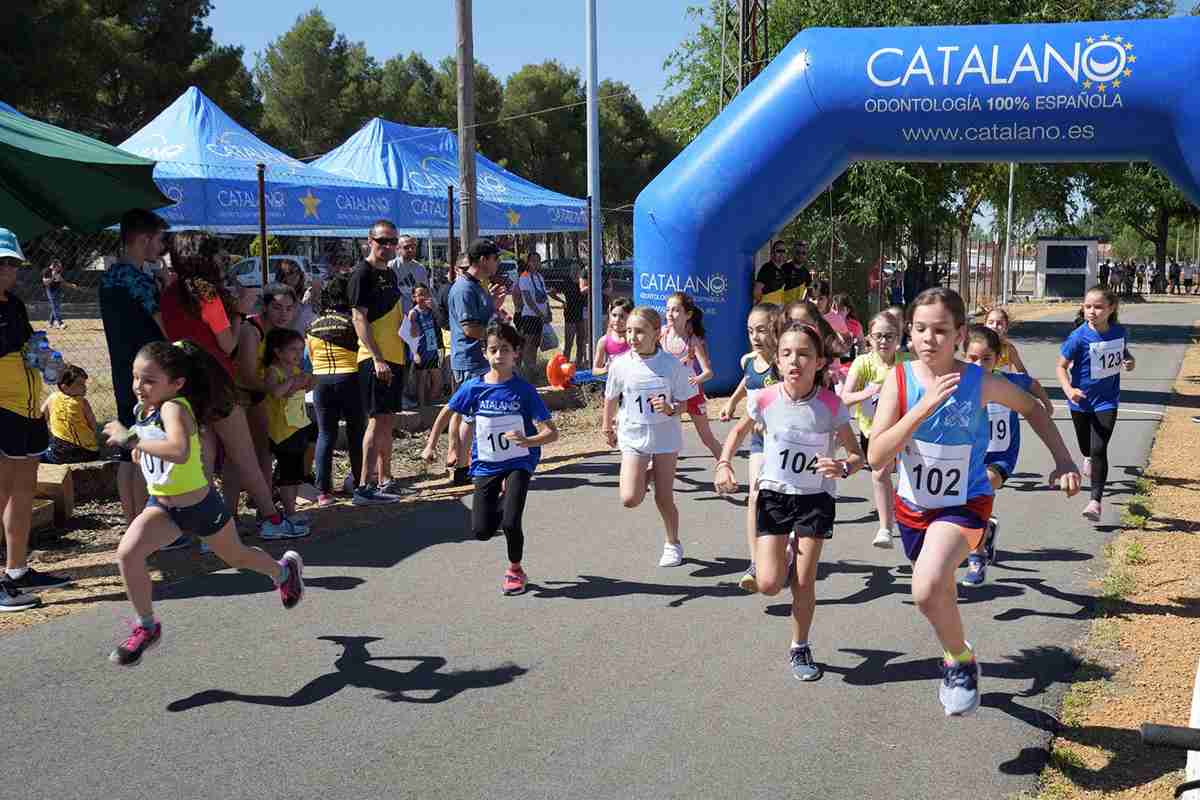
x=36 y=350
x=54 y=367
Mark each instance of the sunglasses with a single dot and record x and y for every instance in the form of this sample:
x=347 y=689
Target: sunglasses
x=386 y=241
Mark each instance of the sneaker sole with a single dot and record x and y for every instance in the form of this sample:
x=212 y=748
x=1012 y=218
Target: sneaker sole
x=14 y=609
x=748 y=583
x=512 y=592
x=377 y=502
x=148 y=648
x=882 y=544
x=297 y=563
x=1090 y=516
x=274 y=537
x=820 y=674
x=45 y=588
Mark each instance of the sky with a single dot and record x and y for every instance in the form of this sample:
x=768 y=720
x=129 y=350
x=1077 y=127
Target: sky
x=634 y=36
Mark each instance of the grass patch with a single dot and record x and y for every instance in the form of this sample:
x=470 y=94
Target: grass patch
x=1143 y=485
x=1106 y=633
x=1138 y=512
x=1064 y=759
x=1117 y=584
x=1135 y=554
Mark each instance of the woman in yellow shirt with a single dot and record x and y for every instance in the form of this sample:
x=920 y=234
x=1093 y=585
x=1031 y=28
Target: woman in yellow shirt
x=72 y=423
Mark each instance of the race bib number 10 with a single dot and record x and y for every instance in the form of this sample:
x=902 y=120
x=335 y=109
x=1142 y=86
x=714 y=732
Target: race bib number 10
x=935 y=475
x=491 y=437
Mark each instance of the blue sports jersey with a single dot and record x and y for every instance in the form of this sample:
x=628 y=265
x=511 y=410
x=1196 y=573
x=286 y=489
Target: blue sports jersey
x=943 y=465
x=1097 y=360
x=1004 y=426
x=496 y=409
x=755 y=382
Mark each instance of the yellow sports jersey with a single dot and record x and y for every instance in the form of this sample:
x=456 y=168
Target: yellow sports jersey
x=68 y=422
x=867 y=369
x=333 y=345
x=285 y=415
x=377 y=291
x=20 y=387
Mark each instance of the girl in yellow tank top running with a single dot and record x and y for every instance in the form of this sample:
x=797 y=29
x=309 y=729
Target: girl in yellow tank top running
x=175 y=385
x=1009 y=359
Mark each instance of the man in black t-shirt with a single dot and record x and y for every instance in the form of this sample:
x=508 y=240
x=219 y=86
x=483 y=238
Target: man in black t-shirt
x=798 y=275
x=770 y=285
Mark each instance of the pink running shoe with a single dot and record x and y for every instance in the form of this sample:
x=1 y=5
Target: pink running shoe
x=326 y=500
x=291 y=591
x=514 y=581
x=129 y=652
x=1091 y=511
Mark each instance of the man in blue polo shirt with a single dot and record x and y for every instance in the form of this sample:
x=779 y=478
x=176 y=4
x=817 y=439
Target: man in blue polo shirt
x=470 y=309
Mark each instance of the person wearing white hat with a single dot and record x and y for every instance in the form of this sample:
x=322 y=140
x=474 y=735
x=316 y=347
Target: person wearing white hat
x=23 y=438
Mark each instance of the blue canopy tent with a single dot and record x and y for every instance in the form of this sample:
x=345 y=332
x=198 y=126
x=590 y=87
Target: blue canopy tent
x=7 y=108
x=207 y=165
x=422 y=162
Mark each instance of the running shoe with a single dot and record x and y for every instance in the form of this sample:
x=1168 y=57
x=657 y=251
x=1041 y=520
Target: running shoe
x=461 y=477
x=976 y=571
x=34 y=581
x=13 y=599
x=989 y=539
x=370 y=495
x=349 y=484
x=514 y=581
x=130 y=651
x=395 y=488
x=883 y=539
x=291 y=591
x=182 y=543
x=1091 y=511
x=749 y=581
x=326 y=500
x=672 y=555
x=301 y=519
x=803 y=666
x=284 y=529
x=959 y=690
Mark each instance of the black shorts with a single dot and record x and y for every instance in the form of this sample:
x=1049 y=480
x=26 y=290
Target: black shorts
x=809 y=515
x=201 y=519
x=379 y=397
x=289 y=458
x=429 y=362
x=64 y=452
x=21 y=436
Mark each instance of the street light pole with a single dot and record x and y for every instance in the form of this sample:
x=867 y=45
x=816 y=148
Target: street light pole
x=593 y=162
x=469 y=229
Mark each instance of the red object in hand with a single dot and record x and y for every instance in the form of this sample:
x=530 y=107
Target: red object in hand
x=559 y=372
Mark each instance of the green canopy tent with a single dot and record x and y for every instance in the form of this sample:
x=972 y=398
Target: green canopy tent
x=51 y=178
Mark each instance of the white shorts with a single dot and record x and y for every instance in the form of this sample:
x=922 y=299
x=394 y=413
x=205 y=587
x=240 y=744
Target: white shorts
x=649 y=440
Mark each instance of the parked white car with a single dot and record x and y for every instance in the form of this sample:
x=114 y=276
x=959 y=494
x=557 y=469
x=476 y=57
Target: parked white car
x=248 y=271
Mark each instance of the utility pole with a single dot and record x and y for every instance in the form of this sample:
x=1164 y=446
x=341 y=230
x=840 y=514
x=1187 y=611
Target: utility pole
x=595 y=221
x=469 y=229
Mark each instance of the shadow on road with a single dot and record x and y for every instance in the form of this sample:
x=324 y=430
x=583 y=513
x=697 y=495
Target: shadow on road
x=424 y=683
x=596 y=587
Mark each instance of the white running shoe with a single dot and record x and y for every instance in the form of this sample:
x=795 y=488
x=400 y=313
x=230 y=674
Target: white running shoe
x=672 y=555
x=883 y=538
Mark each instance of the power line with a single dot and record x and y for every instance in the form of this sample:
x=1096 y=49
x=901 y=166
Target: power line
x=440 y=131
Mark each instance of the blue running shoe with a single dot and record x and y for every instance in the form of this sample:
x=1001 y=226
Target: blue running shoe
x=976 y=571
x=803 y=666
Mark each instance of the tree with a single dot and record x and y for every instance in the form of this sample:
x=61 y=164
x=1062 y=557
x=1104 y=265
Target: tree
x=547 y=148
x=106 y=67
x=1140 y=197
x=317 y=86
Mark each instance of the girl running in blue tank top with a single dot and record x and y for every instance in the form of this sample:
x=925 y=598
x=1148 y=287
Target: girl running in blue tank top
x=932 y=416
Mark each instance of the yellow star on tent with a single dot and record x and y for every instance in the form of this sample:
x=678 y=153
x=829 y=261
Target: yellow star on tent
x=1128 y=73
x=1129 y=45
x=1102 y=88
x=1119 y=39
x=514 y=219
x=1133 y=59
x=1090 y=40
x=1087 y=84
x=1105 y=37
x=1117 y=83
x=310 y=203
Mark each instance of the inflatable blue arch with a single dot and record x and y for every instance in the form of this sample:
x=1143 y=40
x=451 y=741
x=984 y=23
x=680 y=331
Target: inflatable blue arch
x=1097 y=91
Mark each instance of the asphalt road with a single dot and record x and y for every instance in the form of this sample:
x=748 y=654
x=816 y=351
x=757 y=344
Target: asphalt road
x=405 y=673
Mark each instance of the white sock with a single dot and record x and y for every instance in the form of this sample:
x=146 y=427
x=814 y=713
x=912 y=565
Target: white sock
x=796 y=645
x=17 y=573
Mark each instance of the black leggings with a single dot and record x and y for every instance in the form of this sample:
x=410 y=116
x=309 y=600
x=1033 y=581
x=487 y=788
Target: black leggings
x=1093 y=429
x=491 y=513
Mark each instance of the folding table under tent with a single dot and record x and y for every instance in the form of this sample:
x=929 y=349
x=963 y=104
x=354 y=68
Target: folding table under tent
x=207 y=165
x=423 y=162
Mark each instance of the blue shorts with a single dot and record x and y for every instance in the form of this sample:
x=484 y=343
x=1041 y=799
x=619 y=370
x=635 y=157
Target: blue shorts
x=461 y=376
x=201 y=519
x=756 y=443
x=971 y=518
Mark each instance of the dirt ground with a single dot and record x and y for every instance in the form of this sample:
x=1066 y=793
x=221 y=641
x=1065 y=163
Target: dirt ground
x=1139 y=660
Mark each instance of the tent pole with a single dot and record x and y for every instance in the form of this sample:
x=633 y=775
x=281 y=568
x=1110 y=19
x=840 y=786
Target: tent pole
x=595 y=222
x=264 y=253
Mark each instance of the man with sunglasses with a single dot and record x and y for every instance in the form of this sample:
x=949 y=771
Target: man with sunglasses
x=796 y=273
x=771 y=284
x=377 y=313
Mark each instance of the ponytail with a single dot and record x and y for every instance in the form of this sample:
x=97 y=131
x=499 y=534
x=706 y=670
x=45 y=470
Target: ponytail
x=206 y=385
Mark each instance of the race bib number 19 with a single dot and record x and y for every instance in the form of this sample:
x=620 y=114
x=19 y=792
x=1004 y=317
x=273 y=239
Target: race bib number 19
x=999 y=428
